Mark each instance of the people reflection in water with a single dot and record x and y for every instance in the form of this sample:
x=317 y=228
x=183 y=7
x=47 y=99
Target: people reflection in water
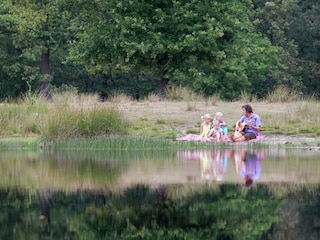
x=220 y=163
x=206 y=164
x=248 y=165
x=213 y=164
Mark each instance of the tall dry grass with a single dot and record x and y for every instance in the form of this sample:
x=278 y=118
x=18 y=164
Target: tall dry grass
x=78 y=115
x=67 y=115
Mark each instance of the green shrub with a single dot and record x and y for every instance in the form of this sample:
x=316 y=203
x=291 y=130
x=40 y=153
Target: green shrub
x=68 y=123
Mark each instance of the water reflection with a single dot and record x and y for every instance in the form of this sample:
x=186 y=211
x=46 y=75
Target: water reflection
x=188 y=194
x=220 y=163
x=45 y=204
x=248 y=166
x=214 y=163
x=116 y=170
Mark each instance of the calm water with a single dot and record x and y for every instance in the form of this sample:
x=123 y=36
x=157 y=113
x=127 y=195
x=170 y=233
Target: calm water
x=76 y=170
x=47 y=195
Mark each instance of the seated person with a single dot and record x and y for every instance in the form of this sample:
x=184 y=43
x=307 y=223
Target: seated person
x=250 y=124
x=205 y=128
x=223 y=125
x=216 y=131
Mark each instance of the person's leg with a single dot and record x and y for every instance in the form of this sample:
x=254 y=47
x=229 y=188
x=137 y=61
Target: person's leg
x=249 y=136
x=218 y=137
x=224 y=129
x=225 y=133
x=239 y=137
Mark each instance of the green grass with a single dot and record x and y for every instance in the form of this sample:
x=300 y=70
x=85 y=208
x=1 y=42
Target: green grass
x=20 y=143
x=138 y=143
x=74 y=123
x=72 y=117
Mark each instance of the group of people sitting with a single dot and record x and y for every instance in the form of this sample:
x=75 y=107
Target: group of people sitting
x=216 y=130
x=247 y=127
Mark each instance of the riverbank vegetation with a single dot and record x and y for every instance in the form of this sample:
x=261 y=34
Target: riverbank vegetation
x=121 y=121
x=119 y=59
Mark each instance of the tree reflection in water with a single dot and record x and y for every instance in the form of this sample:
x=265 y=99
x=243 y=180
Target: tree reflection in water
x=226 y=211
x=213 y=206
x=45 y=204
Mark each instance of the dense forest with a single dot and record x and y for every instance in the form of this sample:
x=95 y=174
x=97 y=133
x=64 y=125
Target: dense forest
x=223 y=47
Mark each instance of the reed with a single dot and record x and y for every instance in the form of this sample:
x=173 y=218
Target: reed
x=71 y=116
x=114 y=142
x=18 y=142
x=73 y=123
x=21 y=118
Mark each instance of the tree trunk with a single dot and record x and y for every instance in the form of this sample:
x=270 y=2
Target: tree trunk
x=162 y=89
x=45 y=71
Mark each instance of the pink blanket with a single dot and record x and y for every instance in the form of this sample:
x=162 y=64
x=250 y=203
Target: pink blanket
x=195 y=137
x=260 y=137
x=189 y=137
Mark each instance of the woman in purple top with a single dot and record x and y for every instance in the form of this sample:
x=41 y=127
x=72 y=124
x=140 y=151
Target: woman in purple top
x=253 y=124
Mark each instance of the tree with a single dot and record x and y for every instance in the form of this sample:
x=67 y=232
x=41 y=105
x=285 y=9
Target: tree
x=293 y=25
x=202 y=45
x=32 y=36
x=305 y=32
x=41 y=31
x=15 y=67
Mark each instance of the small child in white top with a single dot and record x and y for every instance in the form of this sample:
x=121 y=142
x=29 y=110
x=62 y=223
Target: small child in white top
x=216 y=132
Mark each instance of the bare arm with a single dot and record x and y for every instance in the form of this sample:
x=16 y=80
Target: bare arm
x=201 y=128
x=257 y=128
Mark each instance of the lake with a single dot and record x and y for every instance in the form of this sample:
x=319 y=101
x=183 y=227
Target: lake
x=175 y=194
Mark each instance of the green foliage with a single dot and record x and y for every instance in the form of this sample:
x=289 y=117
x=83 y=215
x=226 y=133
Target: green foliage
x=293 y=26
x=69 y=123
x=13 y=64
x=140 y=211
x=304 y=30
x=204 y=46
x=216 y=47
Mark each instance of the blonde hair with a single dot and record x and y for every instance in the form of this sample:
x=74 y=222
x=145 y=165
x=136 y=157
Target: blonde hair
x=216 y=123
x=219 y=114
x=205 y=116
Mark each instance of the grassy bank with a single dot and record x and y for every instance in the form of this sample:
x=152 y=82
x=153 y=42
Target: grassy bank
x=70 y=116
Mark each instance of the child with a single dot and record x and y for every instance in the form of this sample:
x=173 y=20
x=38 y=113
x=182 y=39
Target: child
x=216 y=132
x=205 y=128
x=223 y=125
